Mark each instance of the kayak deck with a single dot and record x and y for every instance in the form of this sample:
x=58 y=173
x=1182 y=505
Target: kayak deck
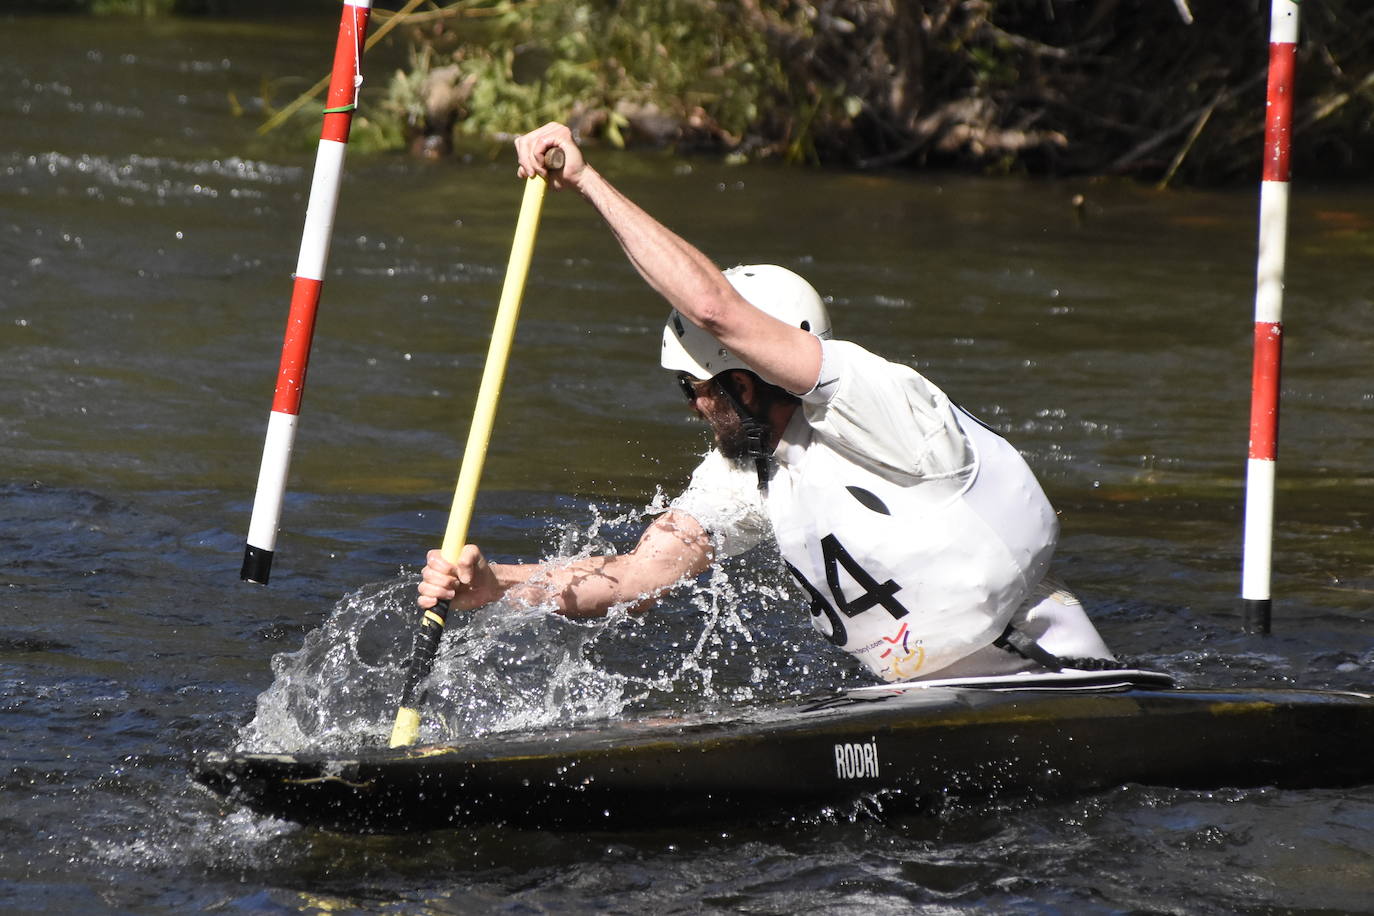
x=910 y=746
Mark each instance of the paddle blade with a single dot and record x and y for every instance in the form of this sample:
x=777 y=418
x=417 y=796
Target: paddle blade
x=406 y=728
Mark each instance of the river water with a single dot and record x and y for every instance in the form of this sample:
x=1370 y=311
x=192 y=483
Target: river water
x=147 y=237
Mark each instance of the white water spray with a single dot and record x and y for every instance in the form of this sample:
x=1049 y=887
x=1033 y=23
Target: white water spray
x=734 y=636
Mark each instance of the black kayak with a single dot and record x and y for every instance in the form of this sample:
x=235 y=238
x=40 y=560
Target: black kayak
x=908 y=747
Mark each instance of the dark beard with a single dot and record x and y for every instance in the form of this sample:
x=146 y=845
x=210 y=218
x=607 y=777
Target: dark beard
x=738 y=437
x=731 y=437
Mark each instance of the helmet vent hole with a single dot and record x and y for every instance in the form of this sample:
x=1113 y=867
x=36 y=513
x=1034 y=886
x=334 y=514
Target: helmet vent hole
x=677 y=325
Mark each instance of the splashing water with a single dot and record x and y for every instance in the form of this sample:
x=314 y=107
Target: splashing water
x=734 y=636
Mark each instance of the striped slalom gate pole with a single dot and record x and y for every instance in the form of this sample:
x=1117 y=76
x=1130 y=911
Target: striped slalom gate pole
x=1273 y=238
x=344 y=84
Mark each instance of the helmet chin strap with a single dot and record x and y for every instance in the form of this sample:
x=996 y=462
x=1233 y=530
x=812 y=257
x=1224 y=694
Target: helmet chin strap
x=755 y=433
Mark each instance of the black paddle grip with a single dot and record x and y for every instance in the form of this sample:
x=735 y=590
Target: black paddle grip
x=423 y=652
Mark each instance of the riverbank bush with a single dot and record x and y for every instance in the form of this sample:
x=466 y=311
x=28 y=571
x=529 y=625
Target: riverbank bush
x=1157 y=89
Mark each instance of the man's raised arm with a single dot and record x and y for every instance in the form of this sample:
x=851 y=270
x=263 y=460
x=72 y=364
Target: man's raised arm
x=678 y=271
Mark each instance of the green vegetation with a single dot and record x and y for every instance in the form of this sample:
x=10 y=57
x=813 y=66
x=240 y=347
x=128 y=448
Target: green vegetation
x=669 y=71
x=1047 y=86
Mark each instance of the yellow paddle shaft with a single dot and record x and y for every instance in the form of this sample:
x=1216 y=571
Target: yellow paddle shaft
x=493 y=375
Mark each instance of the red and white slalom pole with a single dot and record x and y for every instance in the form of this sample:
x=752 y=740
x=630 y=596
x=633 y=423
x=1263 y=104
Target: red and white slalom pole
x=344 y=84
x=1273 y=239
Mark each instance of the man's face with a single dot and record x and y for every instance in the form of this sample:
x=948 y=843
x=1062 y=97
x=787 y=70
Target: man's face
x=711 y=404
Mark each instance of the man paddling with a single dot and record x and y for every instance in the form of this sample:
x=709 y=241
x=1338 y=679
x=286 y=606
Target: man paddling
x=921 y=536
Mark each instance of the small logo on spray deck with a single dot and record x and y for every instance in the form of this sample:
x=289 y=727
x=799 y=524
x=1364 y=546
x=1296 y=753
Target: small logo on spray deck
x=857 y=761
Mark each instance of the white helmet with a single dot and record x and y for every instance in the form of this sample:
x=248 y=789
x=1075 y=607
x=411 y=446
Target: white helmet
x=775 y=290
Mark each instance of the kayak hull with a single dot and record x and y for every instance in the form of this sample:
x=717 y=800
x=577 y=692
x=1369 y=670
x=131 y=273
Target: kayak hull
x=910 y=749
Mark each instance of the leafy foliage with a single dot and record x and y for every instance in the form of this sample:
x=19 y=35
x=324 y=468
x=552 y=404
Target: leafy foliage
x=1124 y=86
x=667 y=70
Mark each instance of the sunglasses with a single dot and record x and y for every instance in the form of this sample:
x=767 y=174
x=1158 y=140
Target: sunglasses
x=692 y=388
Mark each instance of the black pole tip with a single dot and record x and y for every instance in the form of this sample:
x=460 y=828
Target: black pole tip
x=1257 y=613
x=257 y=565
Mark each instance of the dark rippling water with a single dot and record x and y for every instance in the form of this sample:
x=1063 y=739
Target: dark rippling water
x=147 y=238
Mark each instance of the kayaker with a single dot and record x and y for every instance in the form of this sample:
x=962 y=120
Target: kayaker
x=920 y=535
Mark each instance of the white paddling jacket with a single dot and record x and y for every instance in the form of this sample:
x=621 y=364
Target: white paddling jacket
x=916 y=530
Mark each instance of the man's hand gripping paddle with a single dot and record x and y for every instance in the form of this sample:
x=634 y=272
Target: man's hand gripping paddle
x=407 y=726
